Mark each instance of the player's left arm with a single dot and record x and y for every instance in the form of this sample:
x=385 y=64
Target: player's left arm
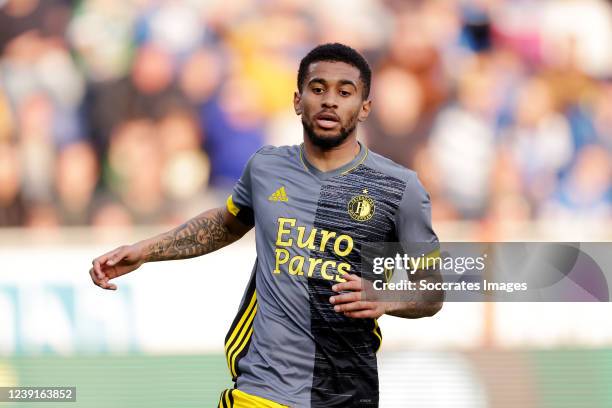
x=360 y=299
x=426 y=303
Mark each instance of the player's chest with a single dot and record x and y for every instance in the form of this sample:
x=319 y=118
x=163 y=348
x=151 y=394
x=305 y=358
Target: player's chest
x=358 y=208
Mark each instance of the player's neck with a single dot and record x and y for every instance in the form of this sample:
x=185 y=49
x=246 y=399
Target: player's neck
x=333 y=158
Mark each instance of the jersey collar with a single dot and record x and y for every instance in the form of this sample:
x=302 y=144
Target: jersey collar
x=340 y=171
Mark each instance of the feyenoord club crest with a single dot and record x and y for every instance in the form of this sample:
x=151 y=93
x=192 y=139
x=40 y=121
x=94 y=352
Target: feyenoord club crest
x=361 y=207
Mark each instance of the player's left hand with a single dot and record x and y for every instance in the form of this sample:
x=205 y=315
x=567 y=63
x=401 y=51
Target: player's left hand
x=352 y=304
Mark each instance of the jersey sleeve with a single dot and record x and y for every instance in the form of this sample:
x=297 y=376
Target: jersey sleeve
x=413 y=220
x=240 y=202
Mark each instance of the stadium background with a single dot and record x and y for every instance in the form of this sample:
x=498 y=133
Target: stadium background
x=121 y=118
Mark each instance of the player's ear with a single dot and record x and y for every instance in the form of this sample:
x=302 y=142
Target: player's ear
x=297 y=103
x=365 y=110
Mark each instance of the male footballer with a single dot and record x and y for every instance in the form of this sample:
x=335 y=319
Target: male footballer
x=303 y=335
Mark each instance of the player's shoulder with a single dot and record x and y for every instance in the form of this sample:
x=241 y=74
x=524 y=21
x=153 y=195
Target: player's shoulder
x=390 y=168
x=268 y=153
x=274 y=156
x=278 y=151
x=413 y=188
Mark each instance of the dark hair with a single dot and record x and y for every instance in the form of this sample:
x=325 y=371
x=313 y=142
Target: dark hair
x=339 y=53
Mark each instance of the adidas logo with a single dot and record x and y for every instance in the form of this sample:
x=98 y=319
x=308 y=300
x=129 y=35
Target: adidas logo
x=279 y=195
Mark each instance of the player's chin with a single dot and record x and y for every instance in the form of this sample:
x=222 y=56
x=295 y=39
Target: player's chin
x=327 y=138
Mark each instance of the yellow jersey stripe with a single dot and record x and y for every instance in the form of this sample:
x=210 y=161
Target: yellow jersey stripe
x=376 y=332
x=227 y=399
x=242 y=340
x=231 y=207
x=242 y=399
x=246 y=340
x=242 y=319
x=222 y=403
x=240 y=328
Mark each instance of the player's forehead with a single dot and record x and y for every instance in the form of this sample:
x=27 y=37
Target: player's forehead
x=333 y=72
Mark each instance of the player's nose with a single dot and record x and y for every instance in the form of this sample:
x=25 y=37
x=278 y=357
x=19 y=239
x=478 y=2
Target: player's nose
x=329 y=101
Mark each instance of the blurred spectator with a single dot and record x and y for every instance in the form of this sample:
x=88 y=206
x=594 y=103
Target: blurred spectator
x=173 y=26
x=47 y=18
x=12 y=208
x=37 y=149
x=6 y=119
x=111 y=214
x=135 y=170
x=539 y=140
x=603 y=116
x=586 y=192
x=234 y=126
x=42 y=216
x=463 y=141
x=200 y=75
x=76 y=176
x=398 y=125
x=186 y=168
x=101 y=33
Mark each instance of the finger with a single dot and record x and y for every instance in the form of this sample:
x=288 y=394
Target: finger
x=354 y=306
x=116 y=257
x=348 y=285
x=345 y=298
x=97 y=268
x=94 y=277
x=105 y=284
x=362 y=314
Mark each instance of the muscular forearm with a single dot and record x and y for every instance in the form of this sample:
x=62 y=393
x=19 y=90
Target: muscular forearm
x=200 y=235
x=419 y=303
x=413 y=310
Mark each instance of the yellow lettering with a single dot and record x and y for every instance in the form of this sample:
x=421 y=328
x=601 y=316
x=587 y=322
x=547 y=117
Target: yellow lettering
x=313 y=265
x=327 y=235
x=282 y=231
x=309 y=242
x=349 y=245
x=293 y=270
x=324 y=273
x=279 y=260
x=343 y=268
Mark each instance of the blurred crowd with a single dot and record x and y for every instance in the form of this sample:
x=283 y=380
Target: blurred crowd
x=126 y=112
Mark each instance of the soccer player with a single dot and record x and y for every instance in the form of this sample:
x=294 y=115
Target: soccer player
x=304 y=336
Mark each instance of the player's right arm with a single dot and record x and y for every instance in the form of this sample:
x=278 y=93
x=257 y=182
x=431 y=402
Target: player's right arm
x=205 y=233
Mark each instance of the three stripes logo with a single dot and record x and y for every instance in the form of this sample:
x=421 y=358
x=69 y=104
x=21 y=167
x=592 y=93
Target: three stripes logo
x=279 y=195
x=226 y=400
x=239 y=336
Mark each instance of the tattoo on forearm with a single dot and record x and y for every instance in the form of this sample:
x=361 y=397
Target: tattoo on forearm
x=196 y=237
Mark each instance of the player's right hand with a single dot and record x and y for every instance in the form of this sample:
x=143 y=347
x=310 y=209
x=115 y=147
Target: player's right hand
x=115 y=263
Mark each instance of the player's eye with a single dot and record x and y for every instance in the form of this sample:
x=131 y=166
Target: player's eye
x=317 y=90
x=345 y=93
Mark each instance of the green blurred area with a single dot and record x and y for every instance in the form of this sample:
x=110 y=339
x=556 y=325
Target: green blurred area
x=573 y=378
x=129 y=381
x=553 y=379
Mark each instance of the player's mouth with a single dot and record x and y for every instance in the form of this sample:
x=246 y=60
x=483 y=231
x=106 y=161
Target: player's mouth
x=327 y=120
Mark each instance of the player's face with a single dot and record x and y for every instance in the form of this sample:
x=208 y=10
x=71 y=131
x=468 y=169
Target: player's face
x=331 y=103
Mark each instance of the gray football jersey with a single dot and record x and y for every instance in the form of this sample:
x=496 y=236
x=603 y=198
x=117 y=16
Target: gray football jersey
x=287 y=343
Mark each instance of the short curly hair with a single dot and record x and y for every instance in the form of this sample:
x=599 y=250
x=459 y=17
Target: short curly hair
x=340 y=53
